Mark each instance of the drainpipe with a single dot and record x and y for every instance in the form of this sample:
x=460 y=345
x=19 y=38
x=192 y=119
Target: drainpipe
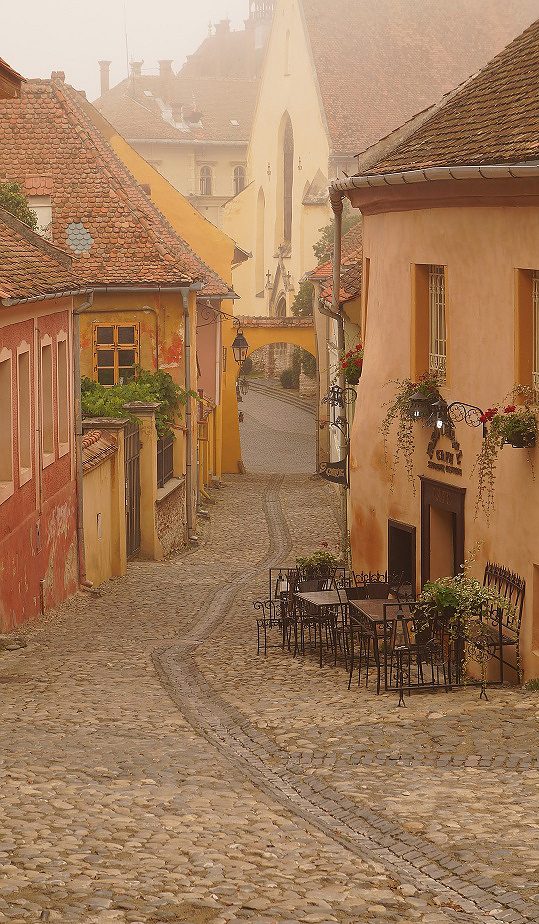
x=185 y=290
x=83 y=581
x=336 y=198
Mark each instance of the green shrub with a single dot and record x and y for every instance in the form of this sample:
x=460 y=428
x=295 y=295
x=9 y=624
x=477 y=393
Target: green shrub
x=247 y=366
x=151 y=387
x=13 y=200
x=532 y=686
x=289 y=378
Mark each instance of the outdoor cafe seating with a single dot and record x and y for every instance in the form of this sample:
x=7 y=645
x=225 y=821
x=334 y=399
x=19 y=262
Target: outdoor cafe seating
x=373 y=624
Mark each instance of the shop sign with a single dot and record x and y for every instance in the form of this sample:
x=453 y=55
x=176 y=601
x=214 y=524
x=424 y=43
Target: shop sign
x=336 y=472
x=443 y=460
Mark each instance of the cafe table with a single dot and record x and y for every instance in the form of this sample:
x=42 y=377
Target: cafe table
x=322 y=601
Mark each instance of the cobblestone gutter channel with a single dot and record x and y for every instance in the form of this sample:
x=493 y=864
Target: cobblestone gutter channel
x=363 y=832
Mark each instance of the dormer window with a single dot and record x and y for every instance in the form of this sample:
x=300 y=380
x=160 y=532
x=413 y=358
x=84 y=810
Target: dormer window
x=206 y=180
x=42 y=208
x=239 y=179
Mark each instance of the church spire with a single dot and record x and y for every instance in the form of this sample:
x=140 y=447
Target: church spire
x=261 y=9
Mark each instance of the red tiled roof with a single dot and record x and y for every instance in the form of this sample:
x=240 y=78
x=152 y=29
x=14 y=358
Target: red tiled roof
x=150 y=108
x=351 y=268
x=117 y=235
x=97 y=447
x=10 y=80
x=492 y=119
x=30 y=267
x=380 y=62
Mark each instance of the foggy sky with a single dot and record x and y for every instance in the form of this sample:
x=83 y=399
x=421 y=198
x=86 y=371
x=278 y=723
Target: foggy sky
x=40 y=36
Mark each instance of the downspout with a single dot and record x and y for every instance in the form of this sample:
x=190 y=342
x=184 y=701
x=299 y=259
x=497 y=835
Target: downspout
x=336 y=198
x=185 y=290
x=83 y=581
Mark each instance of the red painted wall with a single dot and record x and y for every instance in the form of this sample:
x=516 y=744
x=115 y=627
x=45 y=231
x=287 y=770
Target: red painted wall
x=38 y=537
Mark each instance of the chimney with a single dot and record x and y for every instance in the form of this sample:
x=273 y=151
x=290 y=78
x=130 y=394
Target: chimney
x=165 y=69
x=222 y=27
x=58 y=75
x=136 y=68
x=104 y=69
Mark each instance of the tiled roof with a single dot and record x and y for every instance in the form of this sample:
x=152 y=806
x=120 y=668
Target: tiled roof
x=97 y=447
x=30 y=267
x=148 y=108
x=351 y=268
x=380 y=62
x=99 y=212
x=10 y=80
x=492 y=119
x=225 y=53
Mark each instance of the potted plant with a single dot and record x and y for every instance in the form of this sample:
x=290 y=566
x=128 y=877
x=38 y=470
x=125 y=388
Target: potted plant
x=461 y=600
x=412 y=401
x=351 y=364
x=320 y=564
x=514 y=426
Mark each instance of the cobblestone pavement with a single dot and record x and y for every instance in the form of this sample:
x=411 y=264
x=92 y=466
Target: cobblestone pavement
x=276 y=436
x=155 y=770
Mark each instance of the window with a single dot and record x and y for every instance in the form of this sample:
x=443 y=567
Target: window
x=239 y=179
x=42 y=207
x=287 y=54
x=24 y=414
x=206 y=181
x=116 y=349
x=62 y=380
x=6 y=430
x=47 y=409
x=437 y=328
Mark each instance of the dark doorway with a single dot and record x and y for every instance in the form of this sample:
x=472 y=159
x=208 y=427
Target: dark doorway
x=401 y=552
x=442 y=529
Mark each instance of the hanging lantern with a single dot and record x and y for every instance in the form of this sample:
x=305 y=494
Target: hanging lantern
x=240 y=348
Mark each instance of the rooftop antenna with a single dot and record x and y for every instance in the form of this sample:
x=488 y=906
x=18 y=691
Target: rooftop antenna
x=126 y=39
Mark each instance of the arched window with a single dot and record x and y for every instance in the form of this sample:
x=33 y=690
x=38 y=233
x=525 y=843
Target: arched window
x=239 y=179
x=288 y=180
x=281 y=307
x=206 y=181
x=287 y=54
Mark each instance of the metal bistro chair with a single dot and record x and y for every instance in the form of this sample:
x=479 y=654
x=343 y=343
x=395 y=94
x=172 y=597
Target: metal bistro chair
x=270 y=611
x=424 y=654
x=306 y=616
x=501 y=627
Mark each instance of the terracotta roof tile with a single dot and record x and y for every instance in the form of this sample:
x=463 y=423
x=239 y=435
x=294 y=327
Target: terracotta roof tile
x=380 y=62
x=492 y=119
x=145 y=108
x=10 y=80
x=99 y=212
x=97 y=447
x=30 y=267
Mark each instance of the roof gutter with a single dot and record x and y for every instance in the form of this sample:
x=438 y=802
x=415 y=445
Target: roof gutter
x=431 y=174
x=8 y=302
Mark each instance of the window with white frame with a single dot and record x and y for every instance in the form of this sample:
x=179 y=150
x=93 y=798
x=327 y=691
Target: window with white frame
x=206 y=180
x=62 y=390
x=437 y=320
x=24 y=413
x=42 y=208
x=6 y=430
x=239 y=179
x=47 y=408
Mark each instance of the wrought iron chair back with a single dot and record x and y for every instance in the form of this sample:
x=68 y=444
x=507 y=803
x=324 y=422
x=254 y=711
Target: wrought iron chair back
x=511 y=587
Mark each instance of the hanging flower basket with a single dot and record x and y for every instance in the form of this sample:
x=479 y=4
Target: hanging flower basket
x=351 y=365
x=413 y=401
x=514 y=426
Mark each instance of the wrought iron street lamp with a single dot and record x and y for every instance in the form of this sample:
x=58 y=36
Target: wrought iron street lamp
x=240 y=347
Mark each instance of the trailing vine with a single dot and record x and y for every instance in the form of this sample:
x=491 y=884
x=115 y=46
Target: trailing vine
x=399 y=412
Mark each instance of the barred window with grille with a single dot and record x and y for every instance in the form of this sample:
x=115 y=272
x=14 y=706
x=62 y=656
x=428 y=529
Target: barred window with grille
x=535 y=295
x=437 y=320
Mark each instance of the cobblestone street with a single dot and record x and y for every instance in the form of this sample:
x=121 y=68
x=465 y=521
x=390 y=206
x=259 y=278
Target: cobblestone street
x=156 y=770
x=277 y=436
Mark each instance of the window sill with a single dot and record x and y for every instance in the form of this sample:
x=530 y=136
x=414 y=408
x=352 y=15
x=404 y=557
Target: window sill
x=6 y=490
x=63 y=449
x=172 y=485
x=48 y=459
x=25 y=475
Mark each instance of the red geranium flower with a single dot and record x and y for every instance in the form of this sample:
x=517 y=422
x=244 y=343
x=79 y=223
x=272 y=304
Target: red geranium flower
x=510 y=409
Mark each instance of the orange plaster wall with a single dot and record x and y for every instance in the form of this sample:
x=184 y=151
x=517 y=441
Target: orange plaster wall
x=481 y=247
